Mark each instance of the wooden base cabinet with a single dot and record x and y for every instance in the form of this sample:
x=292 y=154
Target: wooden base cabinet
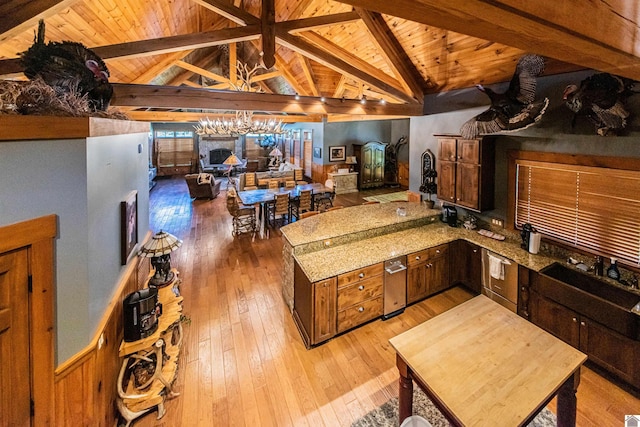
x=605 y=347
x=427 y=272
x=466 y=265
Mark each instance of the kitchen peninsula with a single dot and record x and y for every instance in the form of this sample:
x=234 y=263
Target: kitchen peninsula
x=333 y=276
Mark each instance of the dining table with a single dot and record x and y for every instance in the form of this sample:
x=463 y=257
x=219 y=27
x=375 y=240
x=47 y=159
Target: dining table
x=262 y=196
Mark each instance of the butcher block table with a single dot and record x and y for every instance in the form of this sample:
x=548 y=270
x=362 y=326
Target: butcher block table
x=482 y=364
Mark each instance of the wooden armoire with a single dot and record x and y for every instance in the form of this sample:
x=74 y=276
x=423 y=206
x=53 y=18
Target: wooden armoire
x=370 y=166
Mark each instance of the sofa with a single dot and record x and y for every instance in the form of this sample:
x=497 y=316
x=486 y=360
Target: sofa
x=202 y=185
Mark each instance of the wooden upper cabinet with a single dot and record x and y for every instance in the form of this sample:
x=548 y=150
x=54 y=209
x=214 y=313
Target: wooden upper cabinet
x=466 y=172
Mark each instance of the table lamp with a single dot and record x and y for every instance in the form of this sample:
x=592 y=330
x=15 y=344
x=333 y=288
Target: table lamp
x=231 y=161
x=351 y=160
x=276 y=154
x=159 y=248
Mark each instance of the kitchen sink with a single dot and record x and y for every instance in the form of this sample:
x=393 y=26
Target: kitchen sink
x=592 y=285
x=595 y=298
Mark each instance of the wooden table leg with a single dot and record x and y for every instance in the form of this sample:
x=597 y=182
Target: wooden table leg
x=567 y=401
x=405 y=395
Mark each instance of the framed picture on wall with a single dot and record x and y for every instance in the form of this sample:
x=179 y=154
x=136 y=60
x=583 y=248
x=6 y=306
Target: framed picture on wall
x=317 y=152
x=337 y=153
x=129 y=225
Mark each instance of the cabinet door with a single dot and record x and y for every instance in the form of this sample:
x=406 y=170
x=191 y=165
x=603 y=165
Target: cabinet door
x=466 y=265
x=378 y=165
x=446 y=181
x=467 y=185
x=416 y=284
x=468 y=151
x=554 y=318
x=610 y=350
x=437 y=274
x=325 y=309
x=447 y=149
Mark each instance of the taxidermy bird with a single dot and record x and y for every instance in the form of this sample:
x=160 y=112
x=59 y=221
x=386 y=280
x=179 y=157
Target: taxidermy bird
x=514 y=109
x=68 y=67
x=600 y=98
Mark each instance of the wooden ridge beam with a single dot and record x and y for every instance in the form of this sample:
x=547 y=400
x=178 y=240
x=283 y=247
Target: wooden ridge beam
x=602 y=36
x=201 y=71
x=128 y=95
x=393 y=51
x=160 y=45
x=353 y=66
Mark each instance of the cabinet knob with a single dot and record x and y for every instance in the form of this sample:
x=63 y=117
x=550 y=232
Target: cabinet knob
x=582 y=324
x=417 y=258
x=475 y=251
x=360 y=309
x=451 y=197
x=575 y=320
x=361 y=288
x=437 y=251
x=361 y=275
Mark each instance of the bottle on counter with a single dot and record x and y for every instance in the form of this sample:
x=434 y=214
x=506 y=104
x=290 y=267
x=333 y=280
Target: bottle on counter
x=598 y=266
x=613 y=271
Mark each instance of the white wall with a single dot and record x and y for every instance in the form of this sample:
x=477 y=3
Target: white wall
x=82 y=181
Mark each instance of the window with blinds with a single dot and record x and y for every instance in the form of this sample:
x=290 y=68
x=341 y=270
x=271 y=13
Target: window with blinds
x=591 y=208
x=174 y=152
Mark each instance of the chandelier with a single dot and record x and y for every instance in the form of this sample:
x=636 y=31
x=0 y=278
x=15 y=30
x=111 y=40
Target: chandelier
x=244 y=121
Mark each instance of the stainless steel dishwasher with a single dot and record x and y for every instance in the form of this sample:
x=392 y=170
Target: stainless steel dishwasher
x=395 y=286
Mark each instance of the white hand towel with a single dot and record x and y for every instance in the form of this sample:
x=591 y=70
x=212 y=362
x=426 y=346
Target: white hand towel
x=496 y=268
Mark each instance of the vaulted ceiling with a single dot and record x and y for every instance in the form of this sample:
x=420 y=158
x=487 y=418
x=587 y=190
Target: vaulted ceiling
x=174 y=60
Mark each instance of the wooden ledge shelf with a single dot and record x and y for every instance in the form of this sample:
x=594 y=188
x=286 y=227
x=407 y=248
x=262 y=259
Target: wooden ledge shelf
x=16 y=127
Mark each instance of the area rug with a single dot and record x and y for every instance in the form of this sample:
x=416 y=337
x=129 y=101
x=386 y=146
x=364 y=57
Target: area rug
x=389 y=197
x=387 y=414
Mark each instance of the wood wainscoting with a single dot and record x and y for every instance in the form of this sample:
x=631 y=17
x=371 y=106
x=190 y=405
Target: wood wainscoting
x=85 y=385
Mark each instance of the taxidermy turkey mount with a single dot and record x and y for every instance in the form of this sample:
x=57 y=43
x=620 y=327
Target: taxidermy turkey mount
x=601 y=98
x=68 y=67
x=514 y=109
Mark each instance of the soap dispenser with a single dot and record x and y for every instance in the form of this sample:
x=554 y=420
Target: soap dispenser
x=613 y=271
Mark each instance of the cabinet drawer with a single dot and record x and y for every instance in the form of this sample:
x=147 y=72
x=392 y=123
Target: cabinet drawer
x=437 y=251
x=360 y=274
x=359 y=313
x=418 y=257
x=359 y=291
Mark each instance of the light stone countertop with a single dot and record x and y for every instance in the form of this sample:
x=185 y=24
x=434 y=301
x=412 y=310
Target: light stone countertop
x=320 y=265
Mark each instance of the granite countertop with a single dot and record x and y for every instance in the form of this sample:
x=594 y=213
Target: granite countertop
x=353 y=220
x=340 y=259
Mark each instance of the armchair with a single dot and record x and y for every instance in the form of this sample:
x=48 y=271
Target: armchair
x=200 y=187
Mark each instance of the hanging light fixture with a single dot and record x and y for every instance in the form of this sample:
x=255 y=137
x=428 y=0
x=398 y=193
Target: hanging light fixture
x=244 y=121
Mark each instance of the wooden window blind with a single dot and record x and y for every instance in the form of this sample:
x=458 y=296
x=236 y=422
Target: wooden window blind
x=173 y=152
x=591 y=208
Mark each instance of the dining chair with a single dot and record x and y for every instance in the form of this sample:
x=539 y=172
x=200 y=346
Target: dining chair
x=250 y=181
x=301 y=204
x=278 y=209
x=273 y=184
x=289 y=184
x=324 y=200
x=298 y=176
x=244 y=217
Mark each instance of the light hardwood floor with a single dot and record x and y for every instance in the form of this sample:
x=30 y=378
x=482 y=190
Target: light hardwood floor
x=243 y=362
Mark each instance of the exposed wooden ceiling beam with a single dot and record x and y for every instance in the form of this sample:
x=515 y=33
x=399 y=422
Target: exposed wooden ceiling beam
x=353 y=68
x=268 y=20
x=159 y=45
x=289 y=77
x=188 y=116
x=602 y=36
x=152 y=72
x=306 y=24
x=202 y=72
x=20 y=15
x=396 y=56
x=229 y=11
x=308 y=73
x=191 y=98
x=340 y=87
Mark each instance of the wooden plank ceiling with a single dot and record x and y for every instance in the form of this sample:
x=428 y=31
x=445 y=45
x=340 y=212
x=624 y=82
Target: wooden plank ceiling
x=172 y=60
